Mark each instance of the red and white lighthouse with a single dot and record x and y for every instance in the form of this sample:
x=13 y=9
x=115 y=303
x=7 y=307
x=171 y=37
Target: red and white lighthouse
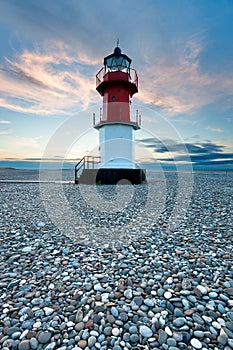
x=117 y=82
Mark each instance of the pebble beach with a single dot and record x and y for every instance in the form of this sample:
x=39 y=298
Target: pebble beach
x=157 y=288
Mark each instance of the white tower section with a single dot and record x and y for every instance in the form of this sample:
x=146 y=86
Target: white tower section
x=117 y=146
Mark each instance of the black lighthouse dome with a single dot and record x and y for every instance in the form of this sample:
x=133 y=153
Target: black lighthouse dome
x=117 y=51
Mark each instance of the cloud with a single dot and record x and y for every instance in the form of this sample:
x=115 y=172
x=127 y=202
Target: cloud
x=5 y=132
x=179 y=84
x=217 y=163
x=47 y=82
x=5 y=121
x=90 y=27
x=169 y=78
x=61 y=79
x=26 y=142
x=198 y=154
x=20 y=147
x=214 y=129
x=167 y=145
x=55 y=159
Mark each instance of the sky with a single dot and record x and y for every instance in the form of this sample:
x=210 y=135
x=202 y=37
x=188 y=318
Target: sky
x=52 y=50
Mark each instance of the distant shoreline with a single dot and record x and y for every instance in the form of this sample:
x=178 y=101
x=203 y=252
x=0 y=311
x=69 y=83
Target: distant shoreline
x=153 y=170
x=2 y=169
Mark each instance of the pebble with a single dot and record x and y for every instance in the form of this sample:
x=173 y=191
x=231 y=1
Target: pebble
x=229 y=291
x=196 y=343
x=162 y=337
x=133 y=329
x=44 y=337
x=149 y=302
x=168 y=331
x=213 y=295
x=128 y=294
x=108 y=330
x=114 y=311
x=50 y=346
x=199 y=334
x=146 y=331
x=167 y=295
x=13 y=330
x=48 y=311
x=91 y=341
x=24 y=345
x=150 y=288
x=179 y=322
x=33 y=343
x=115 y=332
x=222 y=338
x=138 y=300
x=216 y=325
x=27 y=249
x=82 y=344
x=202 y=289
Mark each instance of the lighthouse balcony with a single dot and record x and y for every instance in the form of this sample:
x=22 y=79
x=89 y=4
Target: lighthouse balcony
x=100 y=121
x=126 y=76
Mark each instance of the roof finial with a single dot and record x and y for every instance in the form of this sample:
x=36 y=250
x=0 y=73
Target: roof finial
x=117 y=50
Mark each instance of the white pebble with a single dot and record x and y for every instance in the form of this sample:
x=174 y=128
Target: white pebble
x=168 y=331
x=48 y=311
x=169 y=280
x=70 y=324
x=196 y=343
x=216 y=325
x=202 y=289
x=115 y=332
x=167 y=295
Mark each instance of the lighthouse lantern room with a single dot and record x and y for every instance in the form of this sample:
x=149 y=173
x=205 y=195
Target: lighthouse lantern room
x=116 y=82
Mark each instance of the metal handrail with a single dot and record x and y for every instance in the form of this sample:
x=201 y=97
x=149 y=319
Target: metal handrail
x=79 y=166
x=91 y=160
x=133 y=77
x=136 y=120
x=87 y=162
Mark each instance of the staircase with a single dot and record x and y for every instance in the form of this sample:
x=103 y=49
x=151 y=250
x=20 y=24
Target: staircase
x=86 y=170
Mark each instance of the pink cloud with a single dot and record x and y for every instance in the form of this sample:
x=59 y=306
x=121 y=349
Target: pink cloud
x=178 y=85
x=57 y=80
x=46 y=84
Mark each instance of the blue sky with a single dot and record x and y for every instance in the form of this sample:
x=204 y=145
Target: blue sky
x=182 y=51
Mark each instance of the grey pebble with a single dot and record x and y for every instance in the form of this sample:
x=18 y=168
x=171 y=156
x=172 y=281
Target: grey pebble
x=145 y=331
x=44 y=337
x=133 y=329
x=91 y=341
x=134 y=338
x=24 y=345
x=179 y=322
x=34 y=343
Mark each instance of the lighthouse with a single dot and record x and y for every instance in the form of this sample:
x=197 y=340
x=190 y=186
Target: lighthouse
x=116 y=82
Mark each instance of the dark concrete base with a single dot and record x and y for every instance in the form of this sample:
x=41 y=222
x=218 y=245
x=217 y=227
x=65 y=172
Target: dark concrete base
x=111 y=176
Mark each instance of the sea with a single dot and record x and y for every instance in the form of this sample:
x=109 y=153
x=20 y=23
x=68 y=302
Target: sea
x=68 y=175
